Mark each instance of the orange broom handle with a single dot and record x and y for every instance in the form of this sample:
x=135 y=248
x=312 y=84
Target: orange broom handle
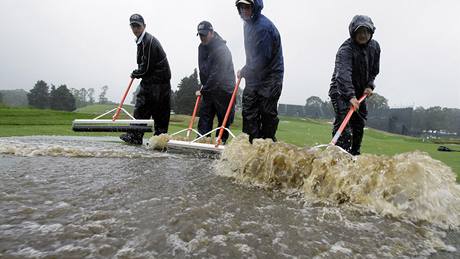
x=192 y=120
x=117 y=113
x=229 y=109
x=345 y=121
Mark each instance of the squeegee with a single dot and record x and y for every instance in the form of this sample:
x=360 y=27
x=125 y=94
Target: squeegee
x=196 y=143
x=114 y=125
x=345 y=121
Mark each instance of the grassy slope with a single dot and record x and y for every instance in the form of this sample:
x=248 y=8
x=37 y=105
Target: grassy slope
x=24 y=122
x=101 y=108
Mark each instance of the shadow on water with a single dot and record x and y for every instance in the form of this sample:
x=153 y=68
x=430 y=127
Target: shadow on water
x=91 y=197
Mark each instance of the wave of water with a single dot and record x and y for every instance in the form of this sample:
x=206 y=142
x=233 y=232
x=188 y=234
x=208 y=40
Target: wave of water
x=410 y=186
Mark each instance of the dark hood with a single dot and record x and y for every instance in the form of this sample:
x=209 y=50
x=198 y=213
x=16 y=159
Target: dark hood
x=361 y=20
x=258 y=6
x=216 y=41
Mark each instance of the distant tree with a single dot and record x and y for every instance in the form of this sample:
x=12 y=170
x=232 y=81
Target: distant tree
x=314 y=101
x=102 y=96
x=78 y=100
x=83 y=94
x=39 y=95
x=436 y=118
x=15 y=98
x=328 y=110
x=377 y=103
x=54 y=98
x=173 y=101
x=1 y=98
x=314 y=107
x=62 y=99
x=91 y=96
x=418 y=120
x=185 y=95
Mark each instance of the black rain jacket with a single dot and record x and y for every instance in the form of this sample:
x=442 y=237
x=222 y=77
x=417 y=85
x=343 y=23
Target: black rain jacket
x=216 y=66
x=356 y=66
x=153 y=66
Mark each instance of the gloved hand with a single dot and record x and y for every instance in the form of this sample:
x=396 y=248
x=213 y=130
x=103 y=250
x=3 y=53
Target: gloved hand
x=198 y=93
x=239 y=74
x=135 y=74
x=368 y=91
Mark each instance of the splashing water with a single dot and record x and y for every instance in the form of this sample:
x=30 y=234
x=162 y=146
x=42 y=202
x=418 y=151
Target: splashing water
x=160 y=142
x=408 y=186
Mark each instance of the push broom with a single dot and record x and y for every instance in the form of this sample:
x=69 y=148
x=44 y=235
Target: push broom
x=345 y=121
x=194 y=145
x=114 y=125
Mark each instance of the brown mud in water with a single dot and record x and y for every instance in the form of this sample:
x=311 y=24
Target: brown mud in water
x=411 y=186
x=160 y=142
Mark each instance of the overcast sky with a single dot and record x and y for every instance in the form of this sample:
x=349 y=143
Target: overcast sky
x=88 y=43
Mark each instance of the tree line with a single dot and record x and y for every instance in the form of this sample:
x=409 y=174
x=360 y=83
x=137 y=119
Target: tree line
x=407 y=121
x=410 y=121
x=43 y=96
x=62 y=98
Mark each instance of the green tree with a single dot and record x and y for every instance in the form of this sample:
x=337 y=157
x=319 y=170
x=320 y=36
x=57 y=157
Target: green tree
x=102 y=96
x=15 y=98
x=39 y=95
x=185 y=95
x=314 y=107
x=81 y=96
x=91 y=96
x=62 y=99
x=377 y=103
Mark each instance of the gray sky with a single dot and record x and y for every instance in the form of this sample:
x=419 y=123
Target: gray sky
x=88 y=43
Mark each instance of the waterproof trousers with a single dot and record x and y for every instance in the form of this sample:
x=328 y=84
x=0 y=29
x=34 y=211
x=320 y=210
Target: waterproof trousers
x=214 y=103
x=352 y=136
x=153 y=101
x=260 y=110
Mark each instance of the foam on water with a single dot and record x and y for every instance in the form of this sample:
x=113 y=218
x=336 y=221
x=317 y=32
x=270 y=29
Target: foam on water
x=160 y=142
x=410 y=186
x=73 y=147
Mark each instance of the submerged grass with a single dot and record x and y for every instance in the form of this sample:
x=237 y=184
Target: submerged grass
x=300 y=132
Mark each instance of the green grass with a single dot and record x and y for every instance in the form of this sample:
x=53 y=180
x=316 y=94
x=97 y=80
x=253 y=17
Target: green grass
x=301 y=132
x=102 y=108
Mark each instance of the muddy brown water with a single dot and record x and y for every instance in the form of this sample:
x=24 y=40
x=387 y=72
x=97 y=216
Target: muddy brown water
x=77 y=197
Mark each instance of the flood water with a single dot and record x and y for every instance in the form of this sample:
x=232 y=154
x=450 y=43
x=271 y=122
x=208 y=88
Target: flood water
x=75 y=197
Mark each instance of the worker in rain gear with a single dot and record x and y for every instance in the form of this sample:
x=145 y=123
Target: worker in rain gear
x=263 y=72
x=356 y=66
x=154 y=92
x=217 y=77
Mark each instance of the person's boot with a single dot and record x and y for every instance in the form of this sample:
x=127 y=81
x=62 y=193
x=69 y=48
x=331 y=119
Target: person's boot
x=355 y=152
x=131 y=139
x=356 y=142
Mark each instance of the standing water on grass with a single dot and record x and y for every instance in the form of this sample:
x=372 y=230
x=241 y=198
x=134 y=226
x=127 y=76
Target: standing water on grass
x=73 y=197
